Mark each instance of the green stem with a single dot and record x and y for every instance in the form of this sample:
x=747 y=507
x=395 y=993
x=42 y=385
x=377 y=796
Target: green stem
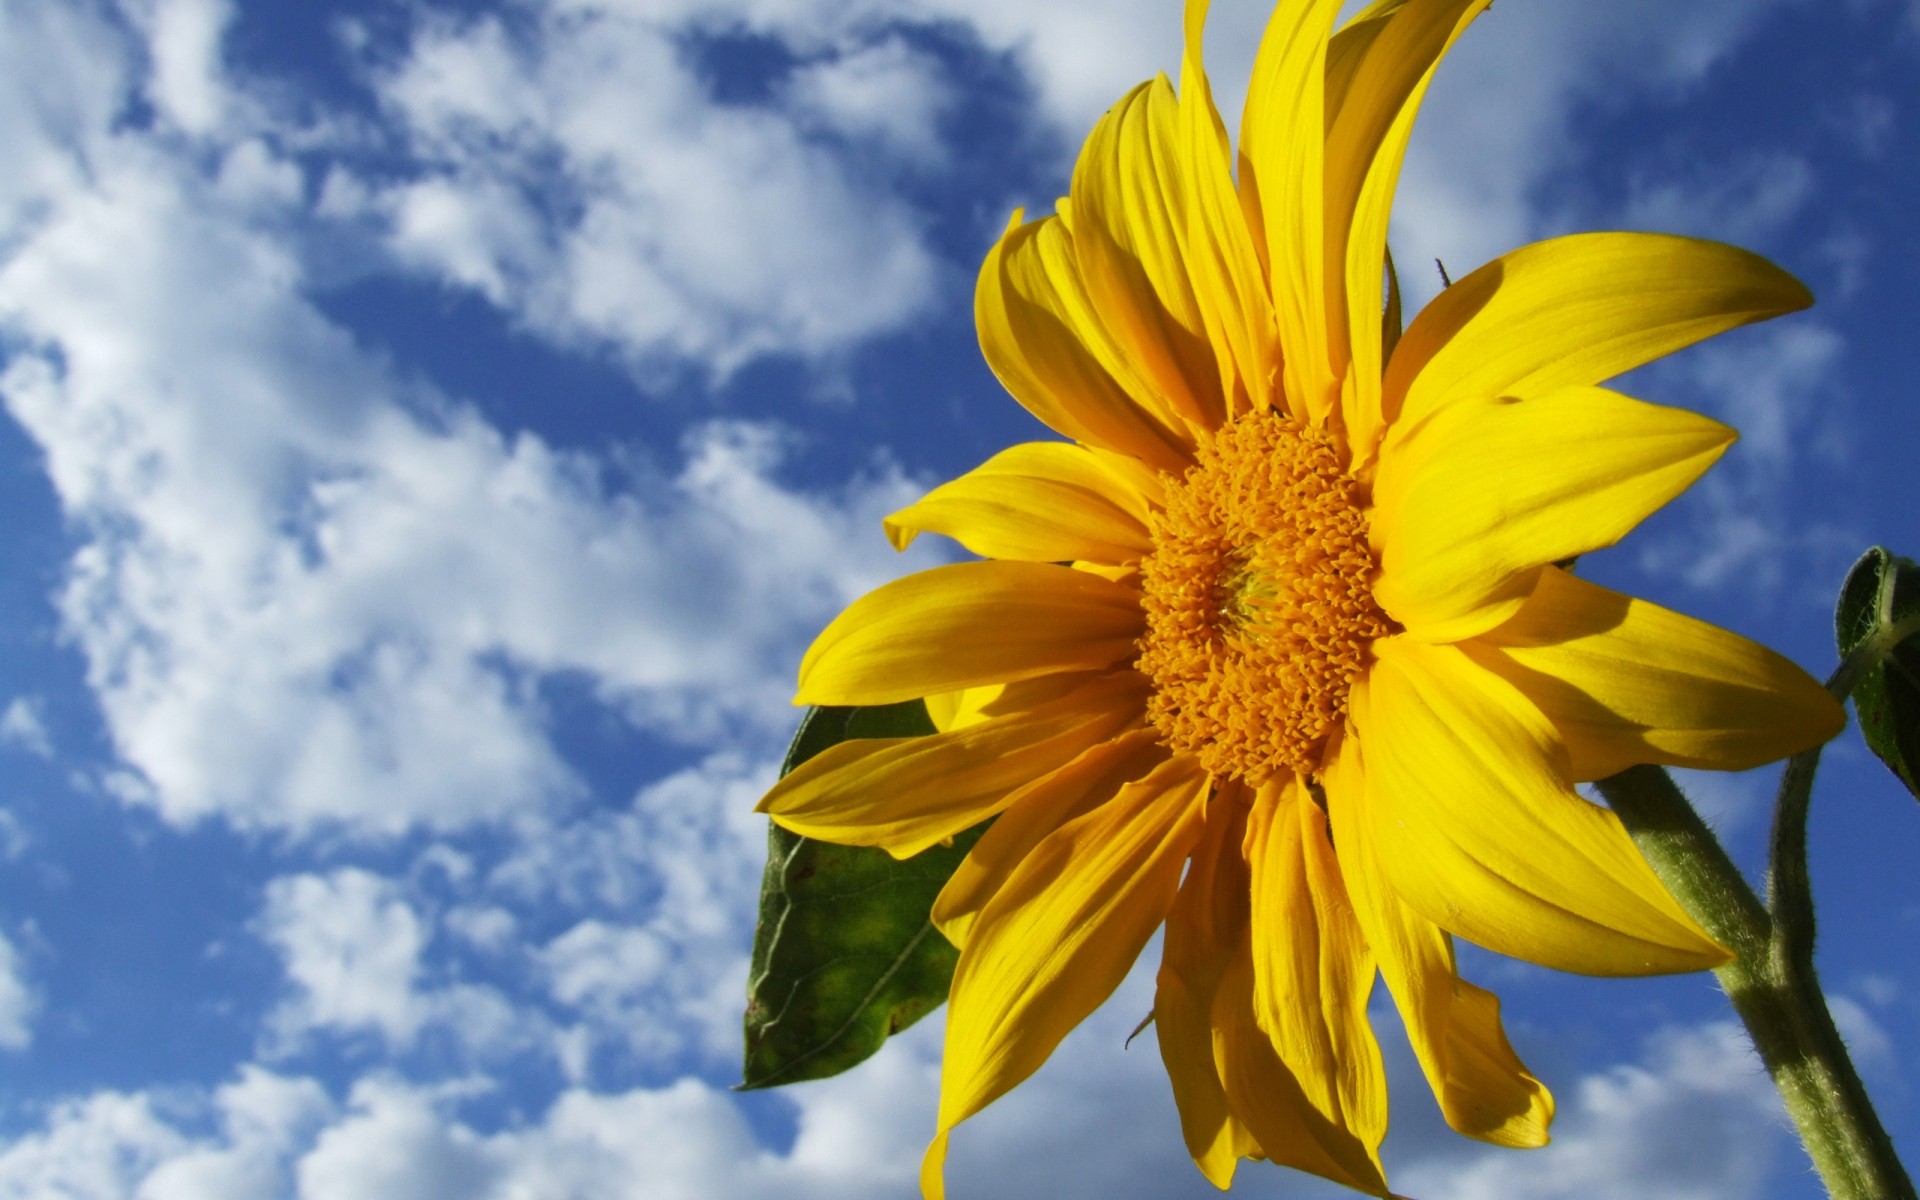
x=1886 y=636
x=1771 y=980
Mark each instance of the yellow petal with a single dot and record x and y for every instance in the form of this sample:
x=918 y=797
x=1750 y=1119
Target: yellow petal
x=1144 y=490
x=970 y=706
x=1131 y=212
x=1034 y=812
x=1039 y=333
x=1577 y=310
x=1483 y=1088
x=1490 y=1093
x=1626 y=682
x=1312 y=969
x=1348 y=49
x=1470 y=504
x=1478 y=831
x=1281 y=143
x=957 y=710
x=1366 y=143
x=1205 y=926
x=933 y=1168
x=905 y=794
x=1036 y=502
x=1060 y=934
x=1266 y=1097
x=1223 y=258
x=969 y=624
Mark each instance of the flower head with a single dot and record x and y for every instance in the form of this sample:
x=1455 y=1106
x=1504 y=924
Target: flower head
x=1274 y=651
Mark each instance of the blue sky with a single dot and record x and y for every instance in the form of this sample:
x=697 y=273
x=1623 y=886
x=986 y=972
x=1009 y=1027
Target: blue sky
x=435 y=429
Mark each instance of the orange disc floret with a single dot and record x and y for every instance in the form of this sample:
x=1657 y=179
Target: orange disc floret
x=1259 y=599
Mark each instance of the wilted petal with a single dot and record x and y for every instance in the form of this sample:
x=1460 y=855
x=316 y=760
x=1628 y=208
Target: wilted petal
x=1483 y=1088
x=1058 y=937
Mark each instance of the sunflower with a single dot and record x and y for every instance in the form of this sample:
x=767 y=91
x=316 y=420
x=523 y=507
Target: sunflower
x=1278 y=650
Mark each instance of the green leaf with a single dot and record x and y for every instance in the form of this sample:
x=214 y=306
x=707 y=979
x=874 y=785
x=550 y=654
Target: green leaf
x=1882 y=590
x=844 y=955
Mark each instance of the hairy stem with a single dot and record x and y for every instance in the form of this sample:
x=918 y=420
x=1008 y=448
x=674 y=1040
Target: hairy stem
x=1771 y=979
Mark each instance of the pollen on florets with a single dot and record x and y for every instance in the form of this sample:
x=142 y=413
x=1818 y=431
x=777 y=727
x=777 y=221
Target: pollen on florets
x=1259 y=599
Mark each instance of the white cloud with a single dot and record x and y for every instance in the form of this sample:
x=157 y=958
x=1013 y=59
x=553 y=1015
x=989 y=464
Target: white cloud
x=312 y=593
x=63 y=76
x=97 y=1148
x=694 y=230
x=1878 y=990
x=1082 y=55
x=1727 y=801
x=1694 y=1119
x=1745 y=201
x=1746 y=527
x=1697 y=1120
x=1867 y=1040
x=1498 y=121
x=14 y=838
x=663 y=968
x=19 y=1001
x=1498 y=124
x=353 y=948
x=888 y=94
x=263 y=1119
x=24 y=726
x=1768 y=386
x=684 y=1141
x=486 y=926
x=1079 y=54
x=187 y=83
x=394 y=1143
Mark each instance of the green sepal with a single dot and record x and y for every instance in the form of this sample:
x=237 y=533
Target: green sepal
x=845 y=954
x=1882 y=590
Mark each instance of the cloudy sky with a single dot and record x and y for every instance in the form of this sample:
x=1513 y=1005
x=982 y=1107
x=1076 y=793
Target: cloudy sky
x=435 y=427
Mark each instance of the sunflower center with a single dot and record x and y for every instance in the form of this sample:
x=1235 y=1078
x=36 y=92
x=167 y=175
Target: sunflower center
x=1259 y=600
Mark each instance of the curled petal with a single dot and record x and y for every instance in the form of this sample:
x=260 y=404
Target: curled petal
x=1039 y=333
x=1205 y=929
x=1282 y=150
x=1348 y=49
x=968 y=706
x=1058 y=937
x=1268 y=1100
x=1131 y=221
x=1312 y=969
x=1045 y=502
x=1382 y=80
x=1229 y=280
